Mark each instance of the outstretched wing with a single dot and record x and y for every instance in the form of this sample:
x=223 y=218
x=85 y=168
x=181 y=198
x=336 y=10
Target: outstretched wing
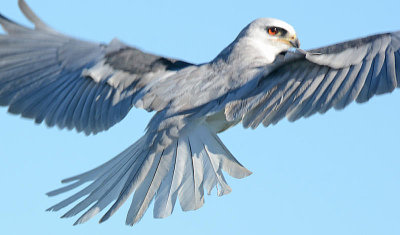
x=47 y=76
x=323 y=78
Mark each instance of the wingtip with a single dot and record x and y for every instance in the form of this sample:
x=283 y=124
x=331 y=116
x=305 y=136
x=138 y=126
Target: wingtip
x=106 y=216
x=32 y=17
x=12 y=27
x=78 y=222
x=67 y=215
x=68 y=180
x=102 y=220
x=52 y=193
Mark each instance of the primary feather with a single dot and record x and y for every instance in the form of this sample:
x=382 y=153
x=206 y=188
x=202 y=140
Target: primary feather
x=71 y=83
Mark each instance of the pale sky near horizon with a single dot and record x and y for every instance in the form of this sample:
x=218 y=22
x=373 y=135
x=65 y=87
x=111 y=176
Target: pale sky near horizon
x=337 y=173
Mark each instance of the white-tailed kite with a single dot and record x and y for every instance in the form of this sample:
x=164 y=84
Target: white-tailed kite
x=258 y=78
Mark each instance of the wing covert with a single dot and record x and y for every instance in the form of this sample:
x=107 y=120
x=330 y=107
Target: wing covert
x=71 y=83
x=323 y=78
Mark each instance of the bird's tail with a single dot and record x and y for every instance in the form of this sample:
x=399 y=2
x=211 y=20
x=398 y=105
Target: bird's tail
x=191 y=163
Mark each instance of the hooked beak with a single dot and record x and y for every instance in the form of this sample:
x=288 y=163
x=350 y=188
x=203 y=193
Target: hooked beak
x=295 y=42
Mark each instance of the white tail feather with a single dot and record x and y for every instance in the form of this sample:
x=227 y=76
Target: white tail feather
x=182 y=170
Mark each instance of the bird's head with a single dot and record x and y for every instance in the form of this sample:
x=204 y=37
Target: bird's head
x=268 y=37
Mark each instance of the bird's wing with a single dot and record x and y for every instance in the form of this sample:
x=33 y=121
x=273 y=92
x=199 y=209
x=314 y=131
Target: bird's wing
x=320 y=79
x=51 y=77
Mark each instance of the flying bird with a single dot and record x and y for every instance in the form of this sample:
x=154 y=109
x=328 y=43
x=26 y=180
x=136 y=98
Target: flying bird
x=261 y=77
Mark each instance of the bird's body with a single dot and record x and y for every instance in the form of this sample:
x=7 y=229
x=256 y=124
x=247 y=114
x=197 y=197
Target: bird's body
x=50 y=77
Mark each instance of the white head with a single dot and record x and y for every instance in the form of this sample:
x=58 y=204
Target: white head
x=266 y=37
x=272 y=31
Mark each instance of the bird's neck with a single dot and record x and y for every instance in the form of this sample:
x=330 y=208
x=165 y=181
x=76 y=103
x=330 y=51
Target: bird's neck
x=247 y=52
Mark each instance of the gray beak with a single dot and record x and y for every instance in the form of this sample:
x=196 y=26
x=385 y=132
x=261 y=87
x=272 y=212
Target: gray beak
x=295 y=43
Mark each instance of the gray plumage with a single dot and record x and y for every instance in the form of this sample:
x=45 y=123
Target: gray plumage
x=74 y=84
x=321 y=79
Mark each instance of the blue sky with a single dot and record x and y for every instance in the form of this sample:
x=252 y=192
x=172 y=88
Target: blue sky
x=337 y=173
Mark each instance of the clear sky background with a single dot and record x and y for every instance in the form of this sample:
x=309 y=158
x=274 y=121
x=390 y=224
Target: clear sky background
x=337 y=173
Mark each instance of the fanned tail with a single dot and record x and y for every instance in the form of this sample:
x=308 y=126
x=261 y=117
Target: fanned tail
x=191 y=163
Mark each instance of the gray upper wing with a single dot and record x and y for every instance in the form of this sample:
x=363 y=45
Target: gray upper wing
x=323 y=78
x=47 y=76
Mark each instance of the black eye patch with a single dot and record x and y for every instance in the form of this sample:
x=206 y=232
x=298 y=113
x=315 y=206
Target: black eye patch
x=276 y=31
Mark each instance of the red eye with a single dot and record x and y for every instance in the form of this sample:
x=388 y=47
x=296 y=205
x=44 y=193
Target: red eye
x=272 y=31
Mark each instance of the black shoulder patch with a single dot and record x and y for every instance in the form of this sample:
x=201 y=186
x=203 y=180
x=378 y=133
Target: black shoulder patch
x=135 y=61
